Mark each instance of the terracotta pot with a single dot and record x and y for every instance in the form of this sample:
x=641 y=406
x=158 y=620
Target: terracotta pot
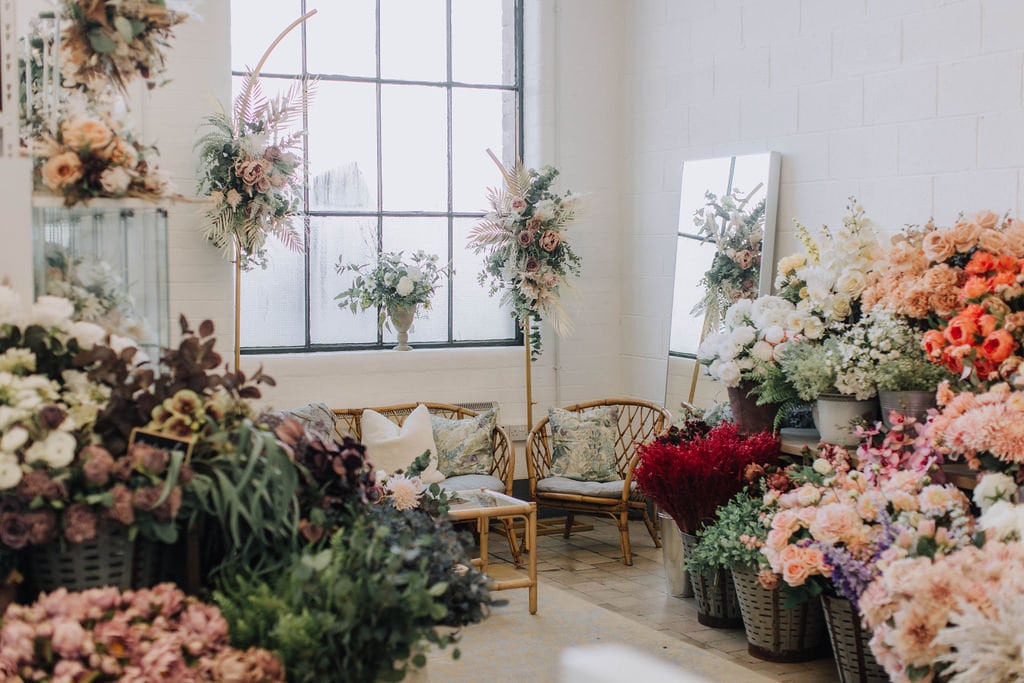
x=748 y=416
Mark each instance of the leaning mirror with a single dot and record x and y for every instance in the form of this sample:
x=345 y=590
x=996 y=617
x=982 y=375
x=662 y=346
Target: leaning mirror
x=713 y=193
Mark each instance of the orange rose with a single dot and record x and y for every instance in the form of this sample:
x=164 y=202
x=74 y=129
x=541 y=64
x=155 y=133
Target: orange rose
x=796 y=572
x=1007 y=262
x=961 y=330
x=953 y=358
x=984 y=368
x=975 y=287
x=998 y=346
x=933 y=343
x=1004 y=279
x=937 y=247
x=981 y=262
x=973 y=311
x=61 y=170
x=987 y=324
x=79 y=134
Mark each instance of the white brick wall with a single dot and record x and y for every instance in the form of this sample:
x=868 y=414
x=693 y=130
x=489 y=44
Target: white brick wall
x=913 y=106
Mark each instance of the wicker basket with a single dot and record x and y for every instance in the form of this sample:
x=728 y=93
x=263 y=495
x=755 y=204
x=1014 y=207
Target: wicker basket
x=716 y=598
x=104 y=561
x=854 y=659
x=774 y=633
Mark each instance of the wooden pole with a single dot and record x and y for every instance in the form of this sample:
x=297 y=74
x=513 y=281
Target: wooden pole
x=529 y=384
x=238 y=306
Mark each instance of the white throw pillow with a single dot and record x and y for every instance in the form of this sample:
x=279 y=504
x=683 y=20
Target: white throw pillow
x=390 y=447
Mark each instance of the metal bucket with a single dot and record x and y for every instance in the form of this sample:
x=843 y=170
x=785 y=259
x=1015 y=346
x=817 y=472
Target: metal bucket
x=677 y=579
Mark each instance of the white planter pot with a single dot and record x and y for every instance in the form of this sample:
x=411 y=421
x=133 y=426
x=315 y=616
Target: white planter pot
x=834 y=415
x=913 y=404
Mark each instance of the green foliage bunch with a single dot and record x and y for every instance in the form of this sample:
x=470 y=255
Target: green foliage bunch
x=735 y=537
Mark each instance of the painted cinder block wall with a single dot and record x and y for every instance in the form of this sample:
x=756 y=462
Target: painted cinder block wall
x=913 y=106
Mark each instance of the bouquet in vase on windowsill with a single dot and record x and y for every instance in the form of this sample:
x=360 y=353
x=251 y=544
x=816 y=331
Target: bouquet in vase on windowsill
x=392 y=282
x=528 y=258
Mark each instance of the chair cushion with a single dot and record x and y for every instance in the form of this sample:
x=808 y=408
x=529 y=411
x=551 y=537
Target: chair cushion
x=583 y=443
x=465 y=446
x=391 y=448
x=598 y=489
x=316 y=418
x=469 y=482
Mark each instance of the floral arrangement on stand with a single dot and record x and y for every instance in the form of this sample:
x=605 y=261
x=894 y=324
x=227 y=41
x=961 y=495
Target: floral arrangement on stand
x=250 y=173
x=527 y=257
x=691 y=471
x=392 y=283
x=104 y=43
x=735 y=270
x=87 y=154
x=103 y=634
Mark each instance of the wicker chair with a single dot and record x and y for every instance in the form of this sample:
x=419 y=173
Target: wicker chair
x=639 y=422
x=348 y=422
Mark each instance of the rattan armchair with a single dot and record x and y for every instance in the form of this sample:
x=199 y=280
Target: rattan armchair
x=639 y=422
x=348 y=422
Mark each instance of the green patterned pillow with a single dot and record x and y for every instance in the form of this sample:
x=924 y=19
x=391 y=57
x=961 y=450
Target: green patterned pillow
x=465 y=446
x=583 y=444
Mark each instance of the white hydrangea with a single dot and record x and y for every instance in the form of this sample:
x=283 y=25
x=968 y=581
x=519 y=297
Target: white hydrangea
x=992 y=488
x=1004 y=519
x=51 y=311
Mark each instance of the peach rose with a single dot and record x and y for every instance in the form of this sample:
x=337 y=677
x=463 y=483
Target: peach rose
x=964 y=236
x=121 y=153
x=550 y=240
x=933 y=343
x=986 y=219
x=937 y=247
x=834 y=523
x=62 y=170
x=998 y=346
x=92 y=134
x=795 y=573
x=994 y=241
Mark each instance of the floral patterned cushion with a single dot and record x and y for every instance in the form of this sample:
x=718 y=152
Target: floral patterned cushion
x=583 y=444
x=465 y=446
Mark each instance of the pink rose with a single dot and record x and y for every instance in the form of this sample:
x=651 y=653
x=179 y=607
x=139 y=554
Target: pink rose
x=550 y=240
x=68 y=638
x=525 y=238
x=518 y=203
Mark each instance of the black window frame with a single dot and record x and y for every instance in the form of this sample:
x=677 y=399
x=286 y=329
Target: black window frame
x=380 y=213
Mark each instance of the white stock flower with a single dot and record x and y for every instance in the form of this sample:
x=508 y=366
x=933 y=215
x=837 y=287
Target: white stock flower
x=59 y=449
x=51 y=311
x=88 y=334
x=15 y=438
x=762 y=350
x=10 y=472
x=992 y=488
x=404 y=286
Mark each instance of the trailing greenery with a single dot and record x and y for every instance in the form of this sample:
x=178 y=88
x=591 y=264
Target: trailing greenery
x=360 y=609
x=773 y=387
x=734 y=539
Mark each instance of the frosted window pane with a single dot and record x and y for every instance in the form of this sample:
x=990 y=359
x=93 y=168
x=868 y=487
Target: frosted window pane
x=430 y=235
x=412 y=40
x=354 y=240
x=476 y=126
x=343 y=147
x=415 y=145
x=253 y=29
x=479 y=53
x=477 y=315
x=693 y=258
x=340 y=38
x=273 y=300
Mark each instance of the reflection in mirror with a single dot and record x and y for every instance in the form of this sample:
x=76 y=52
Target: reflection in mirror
x=754 y=174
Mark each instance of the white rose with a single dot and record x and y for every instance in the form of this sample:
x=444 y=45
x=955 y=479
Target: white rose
x=762 y=350
x=736 y=313
x=778 y=350
x=10 y=472
x=115 y=180
x=743 y=335
x=404 y=286
x=729 y=373
x=993 y=487
x=851 y=283
x=35 y=453
x=814 y=328
x=414 y=273
x=87 y=334
x=774 y=334
x=15 y=438
x=10 y=306
x=59 y=449
x=51 y=311
x=840 y=309
x=1002 y=519
x=822 y=466
x=794 y=323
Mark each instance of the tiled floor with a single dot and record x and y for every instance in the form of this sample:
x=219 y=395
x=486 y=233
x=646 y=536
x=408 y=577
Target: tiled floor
x=589 y=564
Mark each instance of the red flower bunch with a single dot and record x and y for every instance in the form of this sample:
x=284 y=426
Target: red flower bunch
x=984 y=336
x=691 y=478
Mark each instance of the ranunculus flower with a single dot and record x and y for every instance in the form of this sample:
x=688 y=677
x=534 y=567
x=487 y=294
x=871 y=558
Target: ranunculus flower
x=998 y=346
x=976 y=287
x=961 y=330
x=60 y=449
x=115 y=180
x=61 y=170
x=15 y=438
x=933 y=343
x=981 y=262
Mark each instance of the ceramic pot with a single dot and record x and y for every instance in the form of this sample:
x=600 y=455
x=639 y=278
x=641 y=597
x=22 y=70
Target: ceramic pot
x=913 y=404
x=749 y=417
x=401 y=319
x=834 y=415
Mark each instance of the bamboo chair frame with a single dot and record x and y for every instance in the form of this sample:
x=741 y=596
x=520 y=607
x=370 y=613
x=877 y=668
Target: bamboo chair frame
x=348 y=422
x=639 y=422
